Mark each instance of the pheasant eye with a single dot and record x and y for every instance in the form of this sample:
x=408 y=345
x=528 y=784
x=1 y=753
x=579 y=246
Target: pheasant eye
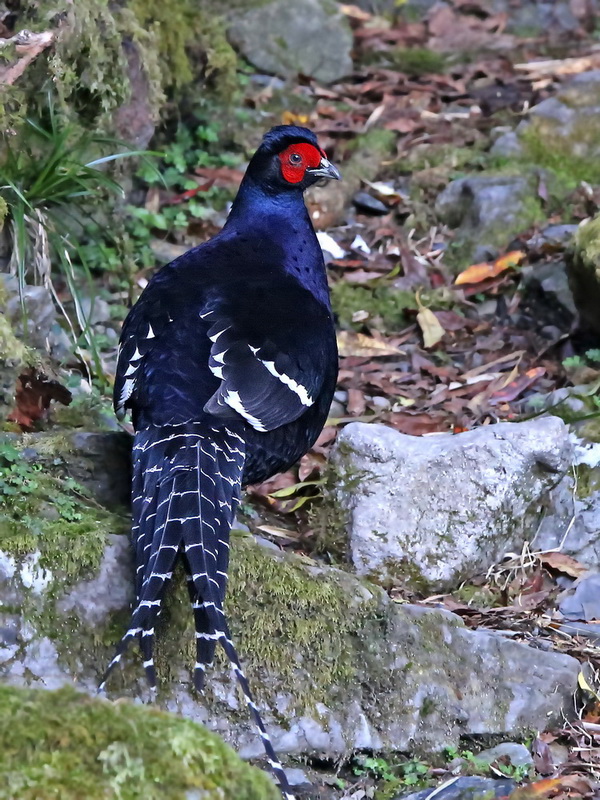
x=295 y=158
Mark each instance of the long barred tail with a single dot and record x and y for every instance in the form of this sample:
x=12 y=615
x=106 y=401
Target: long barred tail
x=185 y=492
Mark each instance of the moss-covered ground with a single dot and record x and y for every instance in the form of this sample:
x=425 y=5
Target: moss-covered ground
x=65 y=746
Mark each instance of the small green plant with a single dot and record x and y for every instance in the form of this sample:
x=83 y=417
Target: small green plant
x=301 y=493
x=472 y=765
x=391 y=776
x=17 y=477
x=48 y=182
x=590 y=357
x=190 y=150
x=572 y=361
x=376 y=767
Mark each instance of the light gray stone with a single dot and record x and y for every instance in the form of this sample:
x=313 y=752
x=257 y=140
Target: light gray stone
x=40 y=313
x=416 y=677
x=488 y=209
x=553 y=236
x=465 y=788
x=572 y=521
x=437 y=510
x=584 y=602
x=517 y=754
x=587 y=630
x=108 y=591
x=95 y=310
x=308 y=37
x=507 y=146
x=533 y=18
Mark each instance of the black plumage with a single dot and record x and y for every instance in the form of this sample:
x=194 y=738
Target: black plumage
x=228 y=364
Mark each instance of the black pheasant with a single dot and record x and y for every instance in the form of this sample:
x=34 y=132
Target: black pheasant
x=228 y=363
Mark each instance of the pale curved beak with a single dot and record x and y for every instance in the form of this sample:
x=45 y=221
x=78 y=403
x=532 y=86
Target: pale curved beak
x=326 y=170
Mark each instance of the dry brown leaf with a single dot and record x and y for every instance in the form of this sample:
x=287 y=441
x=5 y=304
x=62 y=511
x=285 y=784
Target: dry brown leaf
x=477 y=273
x=512 y=259
x=34 y=394
x=355 y=12
x=563 y=563
x=28 y=46
x=430 y=326
x=359 y=344
x=547 y=787
x=513 y=388
x=291 y=118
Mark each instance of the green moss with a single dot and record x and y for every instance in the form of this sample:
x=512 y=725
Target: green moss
x=288 y=618
x=64 y=745
x=183 y=30
x=51 y=516
x=10 y=347
x=583 y=265
x=87 y=66
x=428 y=156
x=330 y=518
x=568 y=157
x=175 y=25
x=588 y=481
x=587 y=242
x=91 y=412
x=374 y=144
x=285 y=617
x=386 y=306
x=417 y=60
x=14 y=358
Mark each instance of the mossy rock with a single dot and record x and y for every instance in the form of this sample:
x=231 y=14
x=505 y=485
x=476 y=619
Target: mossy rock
x=14 y=358
x=108 y=57
x=65 y=745
x=335 y=665
x=488 y=208
x=583 y=268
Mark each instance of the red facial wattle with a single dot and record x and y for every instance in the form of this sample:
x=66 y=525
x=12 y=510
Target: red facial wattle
x=297 y=158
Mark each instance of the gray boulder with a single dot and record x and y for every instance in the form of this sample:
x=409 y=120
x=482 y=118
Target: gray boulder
x=465 y=788
x=547 y=294
x=533 y=18
x=584 y=603
x=489 y=209
x=434 y=511
x=517 y=754
x=335 y=664
x=508 y=145
x=308 y=37
x=572 y=522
